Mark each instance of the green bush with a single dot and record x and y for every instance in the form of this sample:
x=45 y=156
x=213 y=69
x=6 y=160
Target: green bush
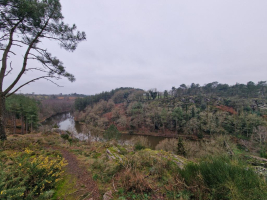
x=140 y=142
x=263 y=152
x=112 y=133
x=138 y=147
x=226 y=179
x=29 y=177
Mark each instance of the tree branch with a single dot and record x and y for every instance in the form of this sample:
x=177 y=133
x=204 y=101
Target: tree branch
x=42 y=77
x=9 y=51
x=17 y=45
x=44 y=64
x=5 y=54
x=25 y=60
x=39 y=69
x=53 y=82
x=2 y=38
x=10 y=69
x=53 y=38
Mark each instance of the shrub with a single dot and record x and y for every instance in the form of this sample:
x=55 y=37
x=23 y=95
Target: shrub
x=167 y=145
x=138 y=147
x=132 y=180
x=207 y=147
x=180 y=147
x=30 y=177
x=112 y=133
x=140 y=142
x=225 y=179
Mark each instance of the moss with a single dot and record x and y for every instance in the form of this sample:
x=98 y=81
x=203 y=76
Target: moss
x=66 y=189
x=123 y=151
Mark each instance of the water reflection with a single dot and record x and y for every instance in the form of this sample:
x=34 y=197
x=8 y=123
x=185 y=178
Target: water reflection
x=66 y=121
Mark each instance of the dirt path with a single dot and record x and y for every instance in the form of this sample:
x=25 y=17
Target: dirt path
x=86 y=186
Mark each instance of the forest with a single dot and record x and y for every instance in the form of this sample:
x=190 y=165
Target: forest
x=238 y=110
x=25 y=113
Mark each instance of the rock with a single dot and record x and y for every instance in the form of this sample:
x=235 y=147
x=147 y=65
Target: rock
x=110 y=155
x=113 y=156
x=107 y=195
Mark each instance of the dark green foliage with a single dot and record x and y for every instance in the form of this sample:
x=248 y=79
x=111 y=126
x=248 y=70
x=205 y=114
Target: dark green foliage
x=138 y=147
x=180 y=147
x=226 y=179
x=112 y=133
x=29 y=177
x=65 y=136
x=153 y=94
x=55 y=126
x=165 y=94
x=263 y=152
x=11 y=185
x=22 y=106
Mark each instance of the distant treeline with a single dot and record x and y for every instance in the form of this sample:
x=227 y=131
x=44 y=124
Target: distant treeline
x=82 y=103
x=249 y=90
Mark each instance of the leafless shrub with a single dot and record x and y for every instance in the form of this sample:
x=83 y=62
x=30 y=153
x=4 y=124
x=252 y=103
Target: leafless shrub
x=212 y=146
x=141 y=140
x=260 y=134
x=132 y=180
x=168 y=145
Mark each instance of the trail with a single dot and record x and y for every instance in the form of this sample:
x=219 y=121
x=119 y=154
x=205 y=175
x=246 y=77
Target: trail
x=86 y=187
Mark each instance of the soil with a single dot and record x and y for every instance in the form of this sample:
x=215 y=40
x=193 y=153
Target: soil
x=86 y=187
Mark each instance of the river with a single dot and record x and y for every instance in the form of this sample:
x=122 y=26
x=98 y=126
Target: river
x=65 y=121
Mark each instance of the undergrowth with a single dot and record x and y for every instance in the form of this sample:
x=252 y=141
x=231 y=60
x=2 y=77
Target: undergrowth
x=31 y=173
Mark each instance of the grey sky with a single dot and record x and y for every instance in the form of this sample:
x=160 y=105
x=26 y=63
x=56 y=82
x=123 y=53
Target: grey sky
x=159 y=44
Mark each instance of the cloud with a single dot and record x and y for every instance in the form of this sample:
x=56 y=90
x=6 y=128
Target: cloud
x=148 y=44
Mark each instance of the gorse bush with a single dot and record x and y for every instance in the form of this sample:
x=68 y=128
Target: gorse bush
x=29 y=177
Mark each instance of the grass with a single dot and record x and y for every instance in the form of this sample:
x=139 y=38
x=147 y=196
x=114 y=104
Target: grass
x=66 y=188
x=225 y=178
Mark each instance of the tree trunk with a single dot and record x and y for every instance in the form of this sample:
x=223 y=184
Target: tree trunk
x=15 y=124
x=26 y=125
x=2 y=119
x=22 y=128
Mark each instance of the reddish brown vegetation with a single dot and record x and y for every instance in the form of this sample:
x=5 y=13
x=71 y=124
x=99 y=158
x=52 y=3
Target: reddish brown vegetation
x=227 y=109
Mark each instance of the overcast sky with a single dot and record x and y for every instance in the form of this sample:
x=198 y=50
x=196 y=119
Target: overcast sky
x=159 y=44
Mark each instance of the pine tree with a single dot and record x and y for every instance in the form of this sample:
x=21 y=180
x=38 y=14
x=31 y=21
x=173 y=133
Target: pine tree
x=26 y=23
x=180 y=147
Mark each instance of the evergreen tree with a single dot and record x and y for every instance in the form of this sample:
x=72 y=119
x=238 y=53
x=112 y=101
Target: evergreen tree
x=180 y=147
x=112 y=133
x=26 y=23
